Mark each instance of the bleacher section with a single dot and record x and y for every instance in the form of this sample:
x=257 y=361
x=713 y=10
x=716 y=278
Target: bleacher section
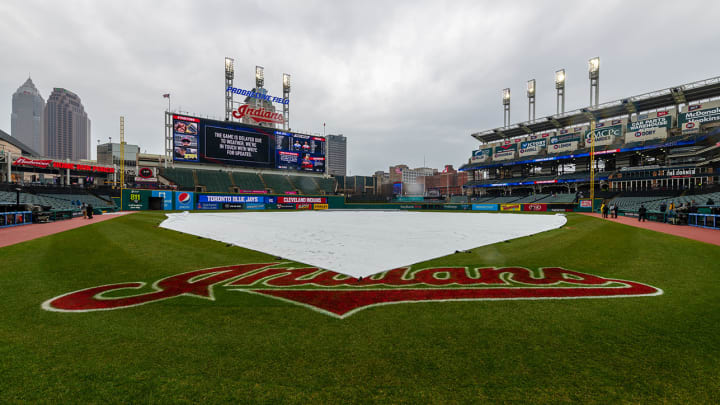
x=82 y=198
x=533 y=198
x=214 y=181
x=183 y=178
x=278 y=183
x=326 y=185
x=43 y=200
x=247 y=181
x=652 y=203
x=307 y=185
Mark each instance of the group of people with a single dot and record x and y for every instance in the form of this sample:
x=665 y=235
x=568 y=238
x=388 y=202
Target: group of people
x=87 y=211
x=611 y=209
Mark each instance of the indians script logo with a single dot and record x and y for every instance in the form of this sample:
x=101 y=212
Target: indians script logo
x=258 y=114
x=340 y=296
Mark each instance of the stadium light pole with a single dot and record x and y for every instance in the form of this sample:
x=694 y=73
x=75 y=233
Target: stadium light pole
x=286 y=101
x=229 y=76
x=531 y=100
x=594 y=74
x=560 y=87
x=506 y=107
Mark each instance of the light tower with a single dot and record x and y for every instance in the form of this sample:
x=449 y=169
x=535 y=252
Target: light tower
x=229 y=76
x=531 y=99
x=594 y=74
x=286 y=101
x=506 y=107
x=560 y=87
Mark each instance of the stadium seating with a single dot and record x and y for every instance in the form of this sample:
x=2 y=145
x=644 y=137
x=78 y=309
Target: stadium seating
x=326 y=185
x=183 y=178
x=214 y=181
x=247 y=181
x=503 y=200
x=43 y=200
x=533 y=198
x=278 y=183
x=83 y=198
x=559 y=198
x=307 y=185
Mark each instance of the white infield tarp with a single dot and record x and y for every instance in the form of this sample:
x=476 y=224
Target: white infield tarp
x=360 y=243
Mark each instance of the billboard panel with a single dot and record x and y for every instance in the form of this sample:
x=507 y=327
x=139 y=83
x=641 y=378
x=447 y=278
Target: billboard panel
x=184 y=200
x=505 y=152
x=531 y=148
x=481 y=155
x=167 y=197
x=200 y=140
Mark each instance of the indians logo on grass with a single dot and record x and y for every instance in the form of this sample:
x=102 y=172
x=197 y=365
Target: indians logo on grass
x=340 y=295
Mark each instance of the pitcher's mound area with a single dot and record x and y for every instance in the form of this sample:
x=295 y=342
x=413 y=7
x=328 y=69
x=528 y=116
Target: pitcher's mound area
x=360 y=243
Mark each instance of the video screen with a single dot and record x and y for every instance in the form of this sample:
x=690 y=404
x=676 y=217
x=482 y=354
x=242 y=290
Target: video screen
x=229 y=143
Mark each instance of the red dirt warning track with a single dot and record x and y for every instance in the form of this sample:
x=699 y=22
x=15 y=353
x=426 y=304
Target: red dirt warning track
x=22 y=233
x=706 y=235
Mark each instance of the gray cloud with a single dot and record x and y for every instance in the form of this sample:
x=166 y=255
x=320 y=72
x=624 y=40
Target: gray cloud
x=403 y=80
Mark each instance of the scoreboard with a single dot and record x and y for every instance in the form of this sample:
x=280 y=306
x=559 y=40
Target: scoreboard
x=199 y=140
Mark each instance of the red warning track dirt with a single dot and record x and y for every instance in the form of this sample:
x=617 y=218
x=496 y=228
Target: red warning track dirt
x=22 y=233
x=706 y=235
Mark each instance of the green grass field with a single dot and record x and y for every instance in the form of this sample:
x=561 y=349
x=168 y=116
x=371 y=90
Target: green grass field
x=249 y=348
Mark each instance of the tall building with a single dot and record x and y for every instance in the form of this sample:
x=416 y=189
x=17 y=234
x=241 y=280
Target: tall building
x=336 y=155
x=109 y=154
x=26 y=120
x=67 y=127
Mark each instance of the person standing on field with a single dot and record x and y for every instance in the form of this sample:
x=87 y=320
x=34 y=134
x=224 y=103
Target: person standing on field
x=83 y=208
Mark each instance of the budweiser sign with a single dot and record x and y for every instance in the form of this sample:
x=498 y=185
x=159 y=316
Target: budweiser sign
x=21 y=161
x=258 y=114
x=340 y=296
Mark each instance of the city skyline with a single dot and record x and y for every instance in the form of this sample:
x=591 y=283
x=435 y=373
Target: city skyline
x=404 y=82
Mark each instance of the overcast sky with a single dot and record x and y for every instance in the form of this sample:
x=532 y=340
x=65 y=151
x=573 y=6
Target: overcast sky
x=404 y=81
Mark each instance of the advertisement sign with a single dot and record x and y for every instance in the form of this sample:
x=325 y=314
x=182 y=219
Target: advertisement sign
x=534 y=207
x=299 y=152
x=208 y=206
x=485 y=207
x=303 y=206
x=504 y=152
x=22 y=161
x=302 y=200
x=604 y=135
x=510 y=207
x=646 y=134
x=254 y=206
x=167 y=197
x=585 y=203
x=262 y=95
x=260 y=115
x=565 y=146
x=481 y=155
x=531 y=148
x=320 y=206
x=184 y=200
x=135 y=201
x=201 y=140
x=691 y=127
x=230 y=199
x=699 y=114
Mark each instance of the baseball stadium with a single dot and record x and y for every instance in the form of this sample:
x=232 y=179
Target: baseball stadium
x=235 y=268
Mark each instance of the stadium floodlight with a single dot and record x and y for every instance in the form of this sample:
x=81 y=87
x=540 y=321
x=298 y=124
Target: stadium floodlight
x=594 y=67
x=229 y=68
x=594 y=74
x=286 y=81
x=259 y=76
x=506 y=106
x=531 y=88
x=560 y=86
x=531 y=99
x=560 y=79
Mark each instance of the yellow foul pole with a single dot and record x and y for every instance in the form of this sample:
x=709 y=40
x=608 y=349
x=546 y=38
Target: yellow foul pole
x=592 y=163
x=122 y=157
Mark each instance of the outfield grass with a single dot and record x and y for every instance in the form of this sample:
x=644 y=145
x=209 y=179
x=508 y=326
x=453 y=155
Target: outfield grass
x=247 y=348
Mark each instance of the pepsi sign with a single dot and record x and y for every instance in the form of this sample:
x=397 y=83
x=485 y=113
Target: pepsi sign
x=184 y=200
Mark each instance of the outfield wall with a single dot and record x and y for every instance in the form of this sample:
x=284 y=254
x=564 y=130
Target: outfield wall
x=168 y=200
